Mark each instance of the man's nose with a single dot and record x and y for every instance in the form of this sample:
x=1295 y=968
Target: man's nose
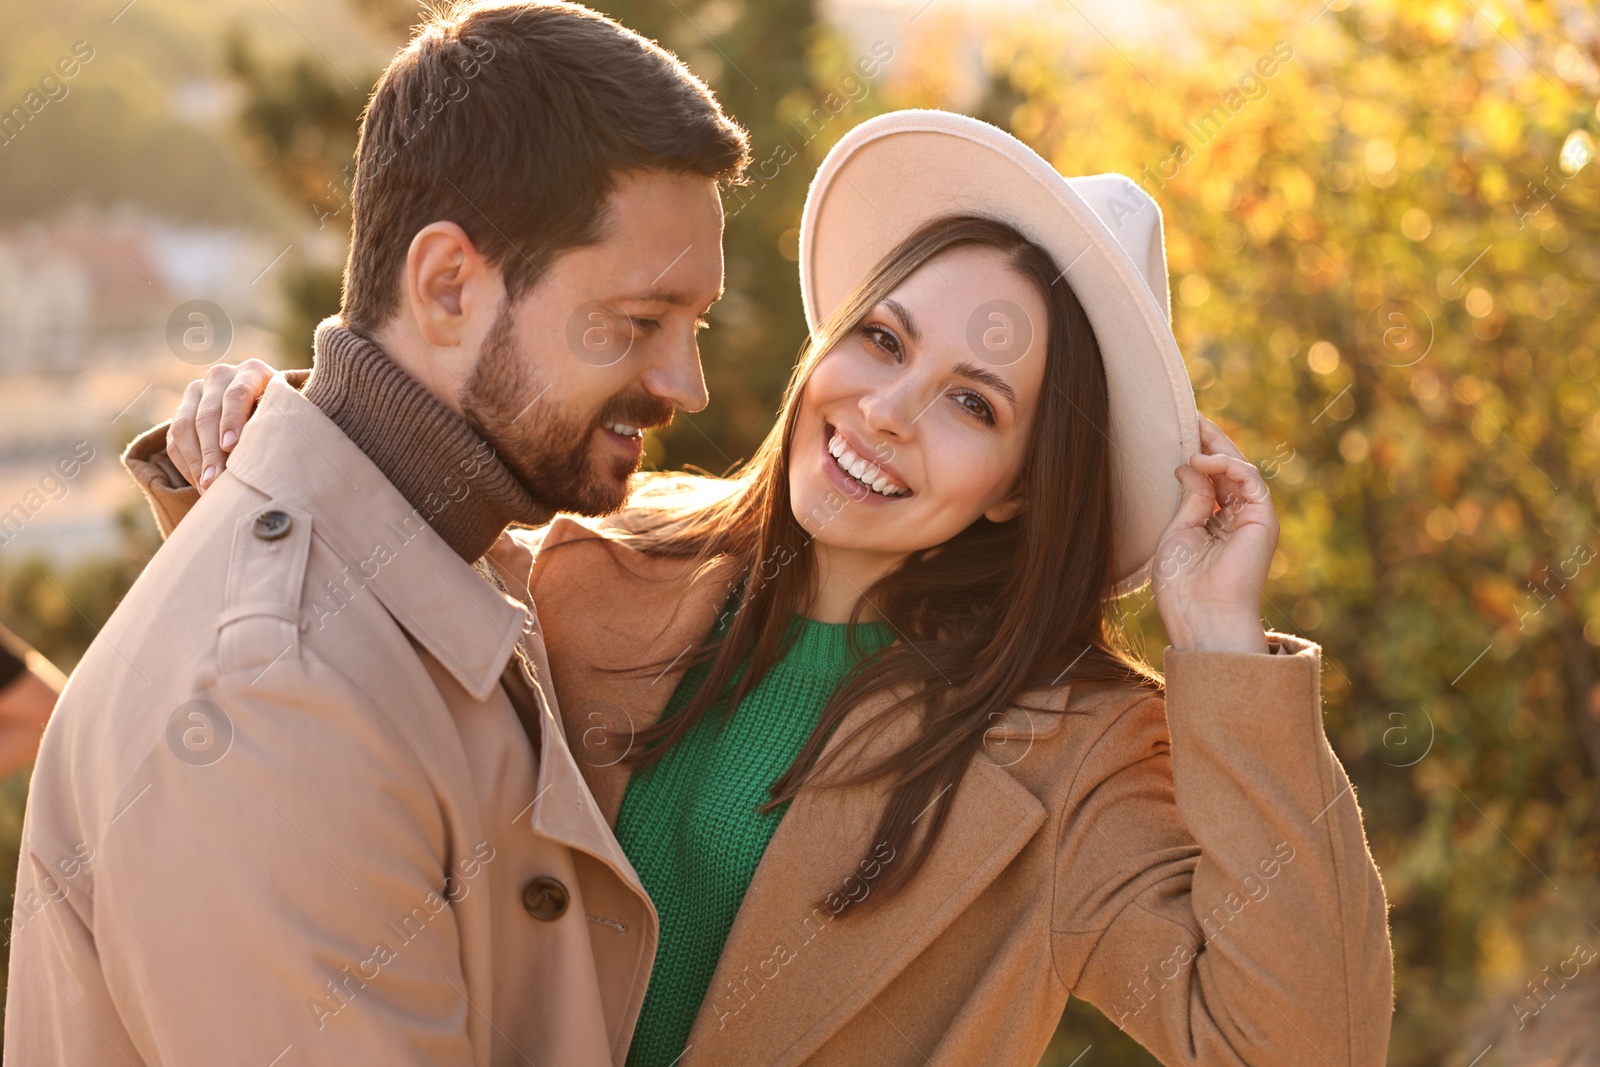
x=677 y=377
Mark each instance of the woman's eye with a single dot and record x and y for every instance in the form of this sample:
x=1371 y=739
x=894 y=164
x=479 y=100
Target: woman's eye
x=645 y=325
x=883 y=340
x=978 y=406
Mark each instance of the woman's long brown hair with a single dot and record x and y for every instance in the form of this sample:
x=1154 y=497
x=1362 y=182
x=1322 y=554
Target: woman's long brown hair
x=999 y=609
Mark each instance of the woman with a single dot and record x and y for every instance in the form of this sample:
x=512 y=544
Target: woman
x=945 y=797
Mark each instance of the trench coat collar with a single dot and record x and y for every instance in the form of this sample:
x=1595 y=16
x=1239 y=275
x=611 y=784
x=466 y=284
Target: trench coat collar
x=790 y=975
x=290 y=451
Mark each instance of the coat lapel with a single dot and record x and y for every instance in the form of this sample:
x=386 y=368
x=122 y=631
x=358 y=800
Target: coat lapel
x=791 y=974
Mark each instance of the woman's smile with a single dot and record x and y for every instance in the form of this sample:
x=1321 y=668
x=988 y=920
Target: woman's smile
x=849 y=467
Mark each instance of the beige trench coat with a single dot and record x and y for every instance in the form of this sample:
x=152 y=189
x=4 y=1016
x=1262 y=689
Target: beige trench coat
x=286 y=814
x=1194 y=866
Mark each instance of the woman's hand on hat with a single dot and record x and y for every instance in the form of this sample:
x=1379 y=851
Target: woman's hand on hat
x=1212 y=559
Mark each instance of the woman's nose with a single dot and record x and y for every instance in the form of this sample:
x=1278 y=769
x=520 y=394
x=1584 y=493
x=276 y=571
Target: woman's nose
x=891 y=410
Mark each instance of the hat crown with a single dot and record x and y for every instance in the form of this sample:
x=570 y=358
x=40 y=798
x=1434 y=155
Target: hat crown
x=1133 y=219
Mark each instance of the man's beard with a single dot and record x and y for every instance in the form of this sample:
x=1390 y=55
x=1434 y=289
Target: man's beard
x=548 y=448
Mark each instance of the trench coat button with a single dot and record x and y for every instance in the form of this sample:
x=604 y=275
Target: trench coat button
x=271 y=525
x=545 y=899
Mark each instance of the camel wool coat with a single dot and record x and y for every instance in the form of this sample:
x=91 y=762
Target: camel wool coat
x=1193 y=866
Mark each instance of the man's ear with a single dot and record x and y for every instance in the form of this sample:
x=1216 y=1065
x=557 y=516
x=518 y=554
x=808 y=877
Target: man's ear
x=1007 y=509
x=449 y=284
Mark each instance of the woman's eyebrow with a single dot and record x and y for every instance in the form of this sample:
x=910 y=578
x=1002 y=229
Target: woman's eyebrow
x=970 y=371
x=907 y=323
x=974 y=373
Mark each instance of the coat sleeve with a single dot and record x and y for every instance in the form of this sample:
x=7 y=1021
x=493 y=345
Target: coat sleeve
x=287 y=894
x=1215 y=896
x=168 y=491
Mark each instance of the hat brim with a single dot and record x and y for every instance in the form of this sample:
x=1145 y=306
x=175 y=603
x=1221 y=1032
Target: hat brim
x=891 y=174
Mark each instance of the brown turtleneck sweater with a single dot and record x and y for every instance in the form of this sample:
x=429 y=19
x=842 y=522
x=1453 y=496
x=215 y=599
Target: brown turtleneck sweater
x=429 y=453
x=387 y=413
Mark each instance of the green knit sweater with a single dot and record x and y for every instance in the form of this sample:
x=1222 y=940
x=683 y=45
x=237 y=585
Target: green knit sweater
x=690 y=827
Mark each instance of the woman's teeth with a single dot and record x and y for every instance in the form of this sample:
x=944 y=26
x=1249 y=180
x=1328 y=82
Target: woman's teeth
x=622 y=429
x=861 y=470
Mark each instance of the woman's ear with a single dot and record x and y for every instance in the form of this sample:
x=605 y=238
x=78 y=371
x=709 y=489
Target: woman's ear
x=1007 y=509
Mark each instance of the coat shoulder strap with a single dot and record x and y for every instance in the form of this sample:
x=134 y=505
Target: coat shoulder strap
x=261 y=621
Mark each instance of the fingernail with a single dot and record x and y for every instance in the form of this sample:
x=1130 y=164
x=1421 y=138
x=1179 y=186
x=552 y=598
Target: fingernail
x=206 y=475
x=229 y=438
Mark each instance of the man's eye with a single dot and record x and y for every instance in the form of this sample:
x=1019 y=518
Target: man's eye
x=645 y=325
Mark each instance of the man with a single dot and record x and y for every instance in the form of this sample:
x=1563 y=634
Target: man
x=307 y=798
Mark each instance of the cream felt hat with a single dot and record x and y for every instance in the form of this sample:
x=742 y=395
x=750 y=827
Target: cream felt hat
x=895 y=172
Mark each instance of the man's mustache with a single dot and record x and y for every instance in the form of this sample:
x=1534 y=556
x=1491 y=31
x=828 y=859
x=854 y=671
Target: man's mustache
x=640 y=409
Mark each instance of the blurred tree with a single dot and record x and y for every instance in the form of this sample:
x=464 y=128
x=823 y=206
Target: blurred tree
x=58 y=610
x=300 y=118
x=1384 y=244
x=146 y=96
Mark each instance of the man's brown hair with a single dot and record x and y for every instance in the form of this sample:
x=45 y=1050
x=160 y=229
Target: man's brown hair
x=512 y=119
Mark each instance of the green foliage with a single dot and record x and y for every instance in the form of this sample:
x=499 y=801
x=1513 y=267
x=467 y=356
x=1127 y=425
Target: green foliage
x=13 y=795
x=58 y=610
x=1086 y=1038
